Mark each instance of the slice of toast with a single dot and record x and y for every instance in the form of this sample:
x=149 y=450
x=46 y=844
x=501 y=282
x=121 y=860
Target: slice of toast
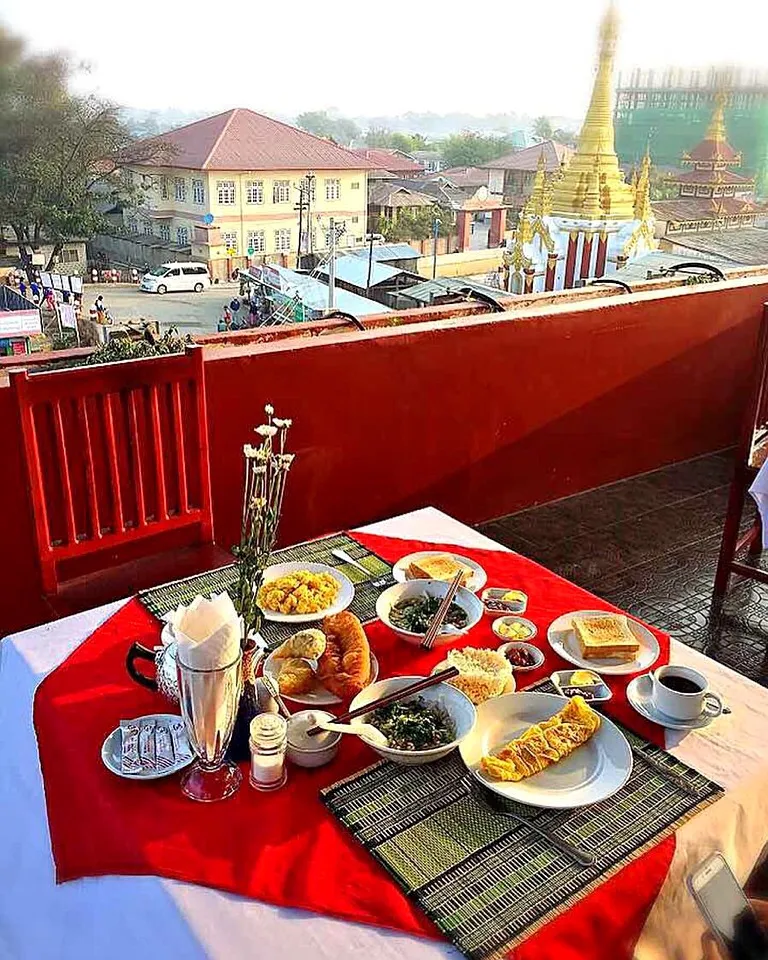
x=604 y=636
x=440 y=566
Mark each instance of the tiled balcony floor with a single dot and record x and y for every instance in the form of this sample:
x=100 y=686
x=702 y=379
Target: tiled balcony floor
x=649 y=545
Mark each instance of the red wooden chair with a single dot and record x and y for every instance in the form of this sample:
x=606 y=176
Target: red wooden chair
x=117 y=463
x=750 y=455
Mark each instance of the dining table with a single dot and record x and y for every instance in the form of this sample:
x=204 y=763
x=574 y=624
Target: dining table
x=151 y=917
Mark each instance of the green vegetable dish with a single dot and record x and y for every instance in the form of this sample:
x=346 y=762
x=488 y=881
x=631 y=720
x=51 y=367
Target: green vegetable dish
x=416 y=613
x=414 y=725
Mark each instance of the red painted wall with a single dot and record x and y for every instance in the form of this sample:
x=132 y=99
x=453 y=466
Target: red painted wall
x=478 y=416
x=484 y=417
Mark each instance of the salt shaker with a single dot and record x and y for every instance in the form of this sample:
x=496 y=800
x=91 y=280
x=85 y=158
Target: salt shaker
x=268 y=741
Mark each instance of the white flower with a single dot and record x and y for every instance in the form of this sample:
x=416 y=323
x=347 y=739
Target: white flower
x=269 y=410
x=251 y=452
x=285 y=460
x=265 y=430
x=283 y=424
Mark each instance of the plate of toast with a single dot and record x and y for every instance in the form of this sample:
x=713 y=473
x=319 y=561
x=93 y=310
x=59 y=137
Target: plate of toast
x=603 y=641
x=440 y=565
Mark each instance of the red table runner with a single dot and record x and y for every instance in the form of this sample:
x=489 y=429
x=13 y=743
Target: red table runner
x=285 y=848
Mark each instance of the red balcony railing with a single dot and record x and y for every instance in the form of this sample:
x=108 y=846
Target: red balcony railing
x=479 y=415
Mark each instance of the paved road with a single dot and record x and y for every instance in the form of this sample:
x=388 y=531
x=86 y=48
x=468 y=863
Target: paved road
x=190 y=312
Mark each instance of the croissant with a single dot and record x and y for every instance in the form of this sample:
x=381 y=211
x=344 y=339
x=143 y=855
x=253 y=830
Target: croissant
x=345 y=666
x=544 y=743
x=295 y=677
x=308 y=644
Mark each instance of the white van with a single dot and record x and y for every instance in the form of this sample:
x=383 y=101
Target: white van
x=174 y=277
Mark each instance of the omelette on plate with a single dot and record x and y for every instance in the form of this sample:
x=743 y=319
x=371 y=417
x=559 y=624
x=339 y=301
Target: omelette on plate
x=544 y=743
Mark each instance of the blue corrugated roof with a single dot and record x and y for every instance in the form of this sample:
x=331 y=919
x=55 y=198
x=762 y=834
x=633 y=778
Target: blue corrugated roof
x=354 y=270
x=388 y=251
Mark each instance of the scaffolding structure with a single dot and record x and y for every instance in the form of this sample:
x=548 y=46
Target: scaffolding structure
x=669 y=111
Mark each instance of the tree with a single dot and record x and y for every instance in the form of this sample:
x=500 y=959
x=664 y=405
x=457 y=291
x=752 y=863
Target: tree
x=471 y=149
x=542 y=127
x=62 y=157
x=322 y=124
x=567 y=137
x=405 y=142
x=417 y=224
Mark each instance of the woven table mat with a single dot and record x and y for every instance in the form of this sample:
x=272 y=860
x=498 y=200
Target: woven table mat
x=160 y=600
x=486 y=881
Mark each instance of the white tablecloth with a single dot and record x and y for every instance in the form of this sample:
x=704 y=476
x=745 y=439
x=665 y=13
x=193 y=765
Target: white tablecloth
x=141 y=918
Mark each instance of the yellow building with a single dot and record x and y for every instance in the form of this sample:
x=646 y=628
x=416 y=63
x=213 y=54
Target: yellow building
x=227 y=188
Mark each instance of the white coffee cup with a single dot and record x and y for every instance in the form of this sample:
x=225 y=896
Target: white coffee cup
x=681 y=704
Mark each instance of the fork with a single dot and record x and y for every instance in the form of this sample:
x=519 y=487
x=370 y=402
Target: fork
x=583 y=857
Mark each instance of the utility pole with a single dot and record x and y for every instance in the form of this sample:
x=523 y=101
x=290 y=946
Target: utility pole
x=435 y=231
x=332 y=267
x=370 y=262
x=300 y=207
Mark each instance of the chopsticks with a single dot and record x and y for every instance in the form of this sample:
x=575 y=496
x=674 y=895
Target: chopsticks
x=442 y=611
x=391 y=698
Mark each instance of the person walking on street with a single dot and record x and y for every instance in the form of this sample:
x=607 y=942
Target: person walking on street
x=22 y=287
x=35 y=288
x=101 y=310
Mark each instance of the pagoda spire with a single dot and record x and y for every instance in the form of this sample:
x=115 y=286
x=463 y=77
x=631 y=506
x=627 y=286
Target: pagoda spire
x=716 y=130
x=643 y=209
x=596 y=153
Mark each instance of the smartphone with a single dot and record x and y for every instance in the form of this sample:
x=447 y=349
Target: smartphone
x=727 y=911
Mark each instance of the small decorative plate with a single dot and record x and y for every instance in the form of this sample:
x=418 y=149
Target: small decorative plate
x=112 y=750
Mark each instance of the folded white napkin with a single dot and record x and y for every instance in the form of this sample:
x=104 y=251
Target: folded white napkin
x=207 y=632
x=759 y=491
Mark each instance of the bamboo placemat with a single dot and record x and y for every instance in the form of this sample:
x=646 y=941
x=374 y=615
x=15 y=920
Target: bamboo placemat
x=486 y=881
x=160 y=600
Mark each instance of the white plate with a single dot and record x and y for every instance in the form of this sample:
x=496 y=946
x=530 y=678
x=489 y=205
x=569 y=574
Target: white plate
x=639 y=695
x=562 y=638
x=343 y=599
x=476 y=582
x=112 y=749
x=318 y=696
x=594 y=771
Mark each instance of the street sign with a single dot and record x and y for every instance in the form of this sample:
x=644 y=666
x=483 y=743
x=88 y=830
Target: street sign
x=208 y=218
x=231 y=251
x=251 y=251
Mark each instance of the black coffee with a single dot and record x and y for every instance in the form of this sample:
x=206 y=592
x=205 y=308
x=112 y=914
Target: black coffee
x=680 y=684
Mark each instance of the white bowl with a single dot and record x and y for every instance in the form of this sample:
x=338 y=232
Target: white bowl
x=313 y=756
x=529 y=624
x=537 y=654
x=459 y=707
x=434 y=588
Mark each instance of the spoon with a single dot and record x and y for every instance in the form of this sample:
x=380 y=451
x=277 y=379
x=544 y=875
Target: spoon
x=367 y=730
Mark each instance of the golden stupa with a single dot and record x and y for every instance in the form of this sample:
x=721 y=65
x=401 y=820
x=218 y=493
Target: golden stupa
x=593 y=187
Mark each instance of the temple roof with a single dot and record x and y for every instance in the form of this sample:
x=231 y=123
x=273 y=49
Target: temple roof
x=714 y=177
x=714 y=148
x=702 y=208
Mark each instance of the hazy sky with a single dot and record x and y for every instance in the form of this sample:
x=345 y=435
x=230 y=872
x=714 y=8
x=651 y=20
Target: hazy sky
x=483 y=56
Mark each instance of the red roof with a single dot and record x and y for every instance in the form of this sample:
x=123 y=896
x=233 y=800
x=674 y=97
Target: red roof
x=243 y=140
x=528 y=157
x=701 y=208
x=712 y=151
x=384 y=158
x=715 y=177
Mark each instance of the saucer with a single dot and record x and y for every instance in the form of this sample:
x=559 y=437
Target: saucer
x=639 y=696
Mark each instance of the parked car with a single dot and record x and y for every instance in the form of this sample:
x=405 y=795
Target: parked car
x=174 y=277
